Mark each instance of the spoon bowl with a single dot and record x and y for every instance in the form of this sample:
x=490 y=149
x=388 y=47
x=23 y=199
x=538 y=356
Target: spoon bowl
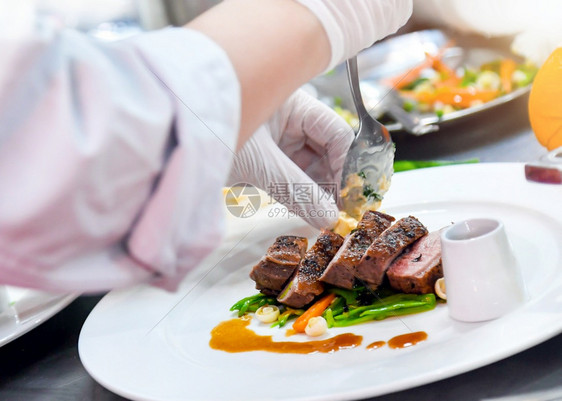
x=368 y=166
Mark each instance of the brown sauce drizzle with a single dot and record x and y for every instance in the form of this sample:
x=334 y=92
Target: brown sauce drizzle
x=407 y=340
x=376 y=344
x=234 y=336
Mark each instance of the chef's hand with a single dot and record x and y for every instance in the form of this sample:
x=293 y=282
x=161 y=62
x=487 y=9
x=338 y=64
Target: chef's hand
x=302 y=145
x=353 y=25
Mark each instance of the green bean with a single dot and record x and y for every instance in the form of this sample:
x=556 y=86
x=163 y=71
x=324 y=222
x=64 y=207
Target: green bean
x=239 y=304
x=387 y=301
x=413 y=304
x=349 y=296
x=329 y=316
x=345 y=310
x=405 y=165
x=337 y=307
x=252 y=303
x=286 y=315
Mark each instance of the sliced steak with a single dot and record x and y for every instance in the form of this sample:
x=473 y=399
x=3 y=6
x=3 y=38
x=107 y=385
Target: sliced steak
x=340 y=271
x=417 y=269
x=386 y=247
x=305 y=286
x=274 y=270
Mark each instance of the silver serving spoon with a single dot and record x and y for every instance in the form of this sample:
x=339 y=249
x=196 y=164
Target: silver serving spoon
x=383 y=99
x=368 y=166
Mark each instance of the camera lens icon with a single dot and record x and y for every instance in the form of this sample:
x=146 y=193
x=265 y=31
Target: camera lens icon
x=242 y=200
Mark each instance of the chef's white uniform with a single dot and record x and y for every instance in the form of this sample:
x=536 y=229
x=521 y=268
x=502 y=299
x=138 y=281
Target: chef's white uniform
x=112 y=157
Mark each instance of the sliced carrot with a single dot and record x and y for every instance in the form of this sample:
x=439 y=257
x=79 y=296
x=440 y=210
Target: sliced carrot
x=507 y=67
x=425 y=96
x=460 y=97
x=445 y=71
x=449 y=76
x=401 y=80
x=450 y=81
x=464 y=97
x=315 y=310
x=404 y=79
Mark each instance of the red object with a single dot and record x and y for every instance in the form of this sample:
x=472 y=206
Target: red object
x=543 y=174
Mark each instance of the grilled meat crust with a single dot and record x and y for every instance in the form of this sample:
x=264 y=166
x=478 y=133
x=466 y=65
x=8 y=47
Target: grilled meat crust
x=340 y=271
x=274 y=270
x=386 y=247
x=305 y=284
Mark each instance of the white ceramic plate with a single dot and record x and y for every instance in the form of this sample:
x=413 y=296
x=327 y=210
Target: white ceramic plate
x=28 y=309
x=146 y=344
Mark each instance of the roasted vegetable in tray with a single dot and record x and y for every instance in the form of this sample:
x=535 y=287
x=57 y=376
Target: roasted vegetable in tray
x=433 y=86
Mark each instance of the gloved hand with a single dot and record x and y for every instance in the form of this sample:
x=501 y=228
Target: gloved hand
x=302 y=145
x=353 y=25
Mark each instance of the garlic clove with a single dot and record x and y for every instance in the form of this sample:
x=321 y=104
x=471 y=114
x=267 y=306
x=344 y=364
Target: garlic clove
x=440 y=289
x=267 y=313
x=316 y=326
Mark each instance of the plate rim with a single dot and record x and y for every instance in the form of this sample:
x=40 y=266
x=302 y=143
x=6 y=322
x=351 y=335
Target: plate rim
x=43 y=313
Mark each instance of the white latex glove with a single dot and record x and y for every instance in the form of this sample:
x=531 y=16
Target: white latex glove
x=304 y=144
x=353 y=25
x=535 y=25
x=536 y=44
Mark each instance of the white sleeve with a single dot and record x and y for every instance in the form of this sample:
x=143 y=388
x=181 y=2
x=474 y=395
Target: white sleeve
x=112 y=157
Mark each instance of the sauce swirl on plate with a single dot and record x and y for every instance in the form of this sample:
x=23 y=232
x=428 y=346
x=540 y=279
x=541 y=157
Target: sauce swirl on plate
x=376 y=344
x=407 y=340
x=235 y=336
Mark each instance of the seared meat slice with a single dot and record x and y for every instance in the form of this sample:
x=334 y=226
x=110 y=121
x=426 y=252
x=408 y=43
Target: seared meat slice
x=419 y=266
x=304 y=286
x=386 y=247
x=340 y=271
x=279 y=263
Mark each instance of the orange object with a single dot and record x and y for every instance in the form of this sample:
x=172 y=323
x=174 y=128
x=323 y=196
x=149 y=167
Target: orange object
x=421 y=96
x=404 y=79
x=315 y=310
x=507 y=67
x=448 y=76
x=464 y=97
x=545 y=111
x=450 y=81
x=460 y=97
